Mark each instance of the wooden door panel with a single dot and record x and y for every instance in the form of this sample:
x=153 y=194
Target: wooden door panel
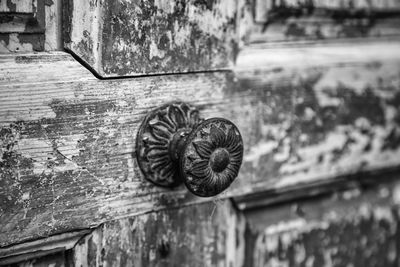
x=322 y=112
x=209 y=234
x=68 y=153
x=120 y=38
x=358 y=227
x=315 y=117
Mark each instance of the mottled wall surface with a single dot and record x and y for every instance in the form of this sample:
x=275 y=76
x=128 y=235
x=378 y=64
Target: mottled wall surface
x=358 y=228
x=202 y=235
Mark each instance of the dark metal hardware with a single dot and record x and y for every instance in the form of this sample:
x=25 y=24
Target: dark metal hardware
x=175 y=146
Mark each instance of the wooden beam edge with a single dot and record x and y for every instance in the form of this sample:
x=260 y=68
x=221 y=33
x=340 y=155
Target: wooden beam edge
x=264 y=197
x=41 y=247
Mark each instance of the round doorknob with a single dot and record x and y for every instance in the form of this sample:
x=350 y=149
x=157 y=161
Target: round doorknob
x=175 y=146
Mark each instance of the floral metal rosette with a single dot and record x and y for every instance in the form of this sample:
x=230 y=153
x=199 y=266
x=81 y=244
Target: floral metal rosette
x=212 y=157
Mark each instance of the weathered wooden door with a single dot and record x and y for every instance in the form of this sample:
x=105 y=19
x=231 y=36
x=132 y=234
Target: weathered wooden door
x=313 y=87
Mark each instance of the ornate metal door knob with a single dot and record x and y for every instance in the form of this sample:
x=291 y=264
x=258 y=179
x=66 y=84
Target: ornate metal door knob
x=174 y=145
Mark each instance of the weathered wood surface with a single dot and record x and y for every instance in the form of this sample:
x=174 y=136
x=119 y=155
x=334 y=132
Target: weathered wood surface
x=67 y=143
x=317 y=112
x=67 y=139
x=122 y=38
x=41 y=247
x=210 y=234
x=27 y=26
x=322 y=19
x=59 y=259
x=117 y=38
x=357 y=228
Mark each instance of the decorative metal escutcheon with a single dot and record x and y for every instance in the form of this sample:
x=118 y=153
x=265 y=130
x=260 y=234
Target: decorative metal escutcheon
x=175 y=146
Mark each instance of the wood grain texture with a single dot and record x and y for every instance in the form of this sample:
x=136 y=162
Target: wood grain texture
x=68 y=143
x=120 y=38
x=208 y=234
x=359 y=228
x=67 y=138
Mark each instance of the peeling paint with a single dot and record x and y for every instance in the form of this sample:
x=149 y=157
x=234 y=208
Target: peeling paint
x=361 y=231
x=316 y=123
x=209 y=238
x=153 y=37
x=67 y=138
